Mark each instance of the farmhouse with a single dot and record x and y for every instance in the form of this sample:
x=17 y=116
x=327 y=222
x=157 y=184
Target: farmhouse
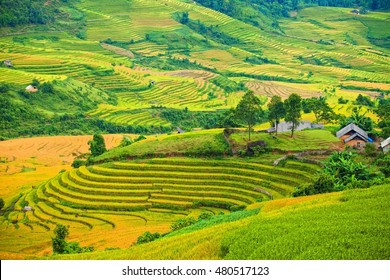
x=385 y=145
x=27 y=208
x=286 y=126
x=180 y=131
x=353 y=136
x=31 y=88
x=8 y=63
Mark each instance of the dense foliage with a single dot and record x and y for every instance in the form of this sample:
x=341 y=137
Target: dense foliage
x=293 y=108
x=249 y=111
x=276 y=111
x=264 y=13
x=97 y=145
x=188 y=120
x=16 y=12
x=341 y=171
x=61 y=246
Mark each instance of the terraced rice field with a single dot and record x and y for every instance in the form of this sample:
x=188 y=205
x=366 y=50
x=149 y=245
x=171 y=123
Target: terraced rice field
x=106 y=197
x=58 y=56
x=29 y=161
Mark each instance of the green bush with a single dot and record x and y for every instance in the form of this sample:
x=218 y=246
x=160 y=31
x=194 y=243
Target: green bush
x=78 y=162
x=1 y=203
x=205 y=216
x=60 y=246
x=340 y=172
x=371 y=150
x=383 y=164
x=181 y=223
x=236 y=208
x=147 y=237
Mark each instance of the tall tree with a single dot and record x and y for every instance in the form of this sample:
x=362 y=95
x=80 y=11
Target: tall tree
x=276 y=111
x=359 y=119
x=293 y=107
x=383 y=112
x=321 y=109
x=249 y=111
x=97 y=145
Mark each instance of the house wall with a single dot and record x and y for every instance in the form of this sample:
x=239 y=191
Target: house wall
x=357 y=143
x=386 y=149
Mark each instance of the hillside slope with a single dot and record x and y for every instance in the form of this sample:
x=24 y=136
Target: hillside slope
x=352 y=224
x=129 y=56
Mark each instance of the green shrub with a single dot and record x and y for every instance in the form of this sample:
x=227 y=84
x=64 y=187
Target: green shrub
x=181 y=223
x=60 y=246
x=78 y=162
x=236 y=208
x=205 y=216
x=383 y=164
x=147 y=237
x=371 y=150
x=126 y=141
x=1 y=203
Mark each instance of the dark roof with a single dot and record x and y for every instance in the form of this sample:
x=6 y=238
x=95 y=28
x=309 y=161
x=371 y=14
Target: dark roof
x=353 y=136
x=352 y=127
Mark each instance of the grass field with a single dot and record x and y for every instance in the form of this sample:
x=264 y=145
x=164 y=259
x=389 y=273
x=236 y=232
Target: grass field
x=303 y=140
x=328 y=226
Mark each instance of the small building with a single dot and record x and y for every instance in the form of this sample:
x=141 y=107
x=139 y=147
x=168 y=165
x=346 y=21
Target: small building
x=27 y=208
x=385 y=145
x=286 y=126
x=355 y=11
x=353 y=136
x=8 y=63
x=180 y=131
x=31 y=88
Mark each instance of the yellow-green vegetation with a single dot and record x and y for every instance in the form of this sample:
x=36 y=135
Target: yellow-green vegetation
x=143 y=67
x=345 y=225
x=148 y=195
x=141 y=55
x=200 y=143
x=302 y=140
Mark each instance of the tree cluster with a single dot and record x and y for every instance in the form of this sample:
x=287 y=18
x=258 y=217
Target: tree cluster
x=18 y=12
x=61 y=246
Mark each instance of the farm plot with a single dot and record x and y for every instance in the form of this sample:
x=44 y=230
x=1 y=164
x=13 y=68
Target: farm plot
x=103 y=201
x=32 y=160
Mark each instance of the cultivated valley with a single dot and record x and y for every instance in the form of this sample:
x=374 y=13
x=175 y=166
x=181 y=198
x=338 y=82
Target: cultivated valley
x=174 y=129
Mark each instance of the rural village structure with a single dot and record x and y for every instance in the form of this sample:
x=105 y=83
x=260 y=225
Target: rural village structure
x=353 y=136
x=385 y=145
x=31 y=88
x=286 y=126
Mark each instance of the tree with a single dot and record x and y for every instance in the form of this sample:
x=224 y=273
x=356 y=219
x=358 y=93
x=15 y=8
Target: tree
x=35 y=83
x=321 y=109
x=97 y=145
x=58 y=242
x=228 y=119
x=1 y=203
x=276 y=111
x=360 y=120
x=293 y=107
x=383 y=112
x=340 y=172
x=248 y=111
x=184 y=18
